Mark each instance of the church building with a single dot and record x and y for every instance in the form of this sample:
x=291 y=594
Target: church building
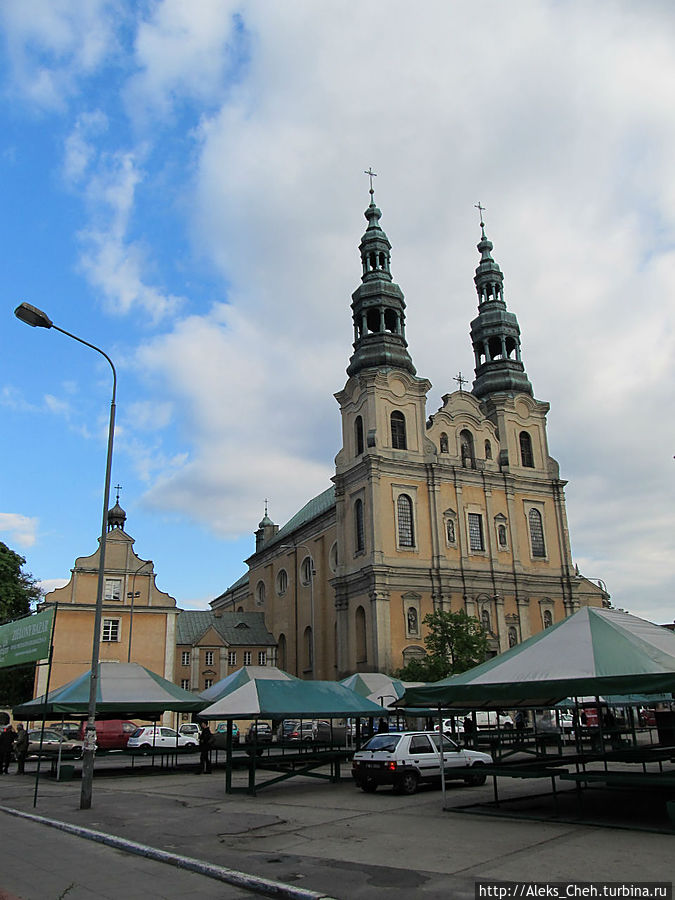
x=462 y=509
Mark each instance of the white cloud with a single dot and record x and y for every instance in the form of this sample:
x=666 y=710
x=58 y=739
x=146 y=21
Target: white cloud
x=51 y=44
x=21 y=529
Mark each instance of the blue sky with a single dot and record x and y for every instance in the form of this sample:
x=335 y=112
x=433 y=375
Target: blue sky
x=183 y=186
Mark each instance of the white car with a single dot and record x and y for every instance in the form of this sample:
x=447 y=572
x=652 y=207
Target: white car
x=407 y=759
x=160 y=738
x=190 y=729
x=447 y=726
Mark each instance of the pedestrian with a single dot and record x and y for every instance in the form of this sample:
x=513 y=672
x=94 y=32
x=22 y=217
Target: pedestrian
x=21 y=748
x=520 y=720
x=205 y=744
x=382 y=726
x=6 y=741
x=468 y=730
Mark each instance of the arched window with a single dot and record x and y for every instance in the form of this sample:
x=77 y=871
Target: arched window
x=333 y=557
x=513 y=636
x=444 y=443
x=548 y=618
x=466 y=449
x=358 y=435
x=281 y=651
x=488 y=450
x=501 y=535
x=406 y=531
x=307 y=570
x=282 y=582
x=361 y=637
x=309 y=649
x=260 y=593
x=526 y=456
x=398 y=435
x=536 y=533
x=359 y=535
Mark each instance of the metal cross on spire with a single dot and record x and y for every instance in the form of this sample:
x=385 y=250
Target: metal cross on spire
x=459 y=378
x=369 y=172
x=481 y=210
x=265 y=505
x=118 y=488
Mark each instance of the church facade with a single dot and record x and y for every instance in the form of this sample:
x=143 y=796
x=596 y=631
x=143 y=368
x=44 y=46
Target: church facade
x=462 y=509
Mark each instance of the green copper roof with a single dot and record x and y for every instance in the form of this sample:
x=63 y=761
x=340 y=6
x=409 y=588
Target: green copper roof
x=316 y=507
x=235 y=628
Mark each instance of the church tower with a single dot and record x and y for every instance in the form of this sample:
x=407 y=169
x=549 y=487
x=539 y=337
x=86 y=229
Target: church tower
x=383 y=432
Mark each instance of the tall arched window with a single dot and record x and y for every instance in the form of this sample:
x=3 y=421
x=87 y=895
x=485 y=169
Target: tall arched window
x=398 y=435
x=282 y=582
x=307 y=570
x=359 y=535
x=536 y=533
x=361 y=637
x=406 y=531
x=358 y=435
x=281 y=651
x=526 y=455
x=444 y=443
x=466 y=449
x=260 y=594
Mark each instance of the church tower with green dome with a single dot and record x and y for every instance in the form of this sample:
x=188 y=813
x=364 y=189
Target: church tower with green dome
x=463 y=509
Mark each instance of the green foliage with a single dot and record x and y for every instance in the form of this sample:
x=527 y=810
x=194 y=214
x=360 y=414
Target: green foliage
x=18 y=596
x=454 y=643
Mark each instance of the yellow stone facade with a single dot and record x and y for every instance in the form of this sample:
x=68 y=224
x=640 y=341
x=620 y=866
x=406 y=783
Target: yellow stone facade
x=139 y=628
x=464 y=509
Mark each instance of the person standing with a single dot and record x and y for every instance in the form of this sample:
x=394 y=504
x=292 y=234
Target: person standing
x=205 y=744
x=6 y=742
x=21 y=748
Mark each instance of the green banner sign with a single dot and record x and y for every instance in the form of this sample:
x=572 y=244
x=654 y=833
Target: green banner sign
x=26 y=640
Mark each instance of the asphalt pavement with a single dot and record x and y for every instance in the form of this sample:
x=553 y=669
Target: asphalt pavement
x=301 y=838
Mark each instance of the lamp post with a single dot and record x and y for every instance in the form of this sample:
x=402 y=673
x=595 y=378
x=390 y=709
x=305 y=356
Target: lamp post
x=132 y=595
x=38 y=319
x=312 y=573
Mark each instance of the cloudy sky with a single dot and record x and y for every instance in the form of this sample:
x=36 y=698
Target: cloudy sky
x=183 y=186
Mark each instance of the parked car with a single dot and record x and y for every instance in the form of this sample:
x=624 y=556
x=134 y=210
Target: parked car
x=190 y=728
x=407 y=759
x=447 y=726
x=647 y=717
x=111 y=734
x=493 y=719
x=329 y=731
x=52 y=742
x=67 y=729
x=260 y=732
x=160 y=738
x=220 y=735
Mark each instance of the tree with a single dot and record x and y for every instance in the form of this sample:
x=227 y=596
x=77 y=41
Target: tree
x=19 y=593
x=454 y=643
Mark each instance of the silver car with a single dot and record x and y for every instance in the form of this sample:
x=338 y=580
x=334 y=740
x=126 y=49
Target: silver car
x=407 y=759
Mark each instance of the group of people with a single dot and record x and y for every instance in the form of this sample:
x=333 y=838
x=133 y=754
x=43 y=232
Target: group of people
x=16 y=741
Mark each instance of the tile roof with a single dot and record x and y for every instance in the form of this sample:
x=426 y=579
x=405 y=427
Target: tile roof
x=236 y=629
x=316 y=507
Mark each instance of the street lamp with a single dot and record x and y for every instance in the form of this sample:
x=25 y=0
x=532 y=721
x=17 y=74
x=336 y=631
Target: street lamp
x=312 y=573
x=133 y=595
x=35 y=317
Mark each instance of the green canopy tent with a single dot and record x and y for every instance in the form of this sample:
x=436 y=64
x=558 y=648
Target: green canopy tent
x=290 y=698
x=593 y=652
x=242 y=676
x=124 y=690
x=376 y=686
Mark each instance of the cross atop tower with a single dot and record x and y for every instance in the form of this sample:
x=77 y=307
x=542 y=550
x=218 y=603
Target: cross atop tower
x=118 y=488
x=369 y=172
x=481 y=210
x=460 y=379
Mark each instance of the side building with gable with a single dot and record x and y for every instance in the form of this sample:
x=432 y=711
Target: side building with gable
x=462 y=509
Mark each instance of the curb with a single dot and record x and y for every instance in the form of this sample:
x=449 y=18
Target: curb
x=219 y=873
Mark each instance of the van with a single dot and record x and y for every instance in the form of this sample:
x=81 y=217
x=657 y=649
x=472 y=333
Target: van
x=111 y=734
